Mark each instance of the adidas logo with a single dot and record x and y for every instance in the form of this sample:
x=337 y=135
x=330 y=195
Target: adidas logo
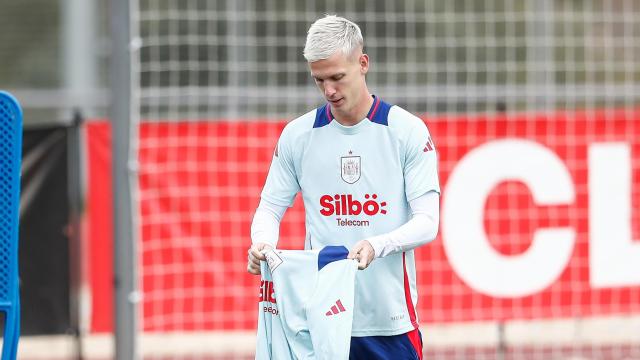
x=336 y=309
x=429 y=146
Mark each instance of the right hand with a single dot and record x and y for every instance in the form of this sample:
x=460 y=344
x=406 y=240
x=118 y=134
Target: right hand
x=255 y=256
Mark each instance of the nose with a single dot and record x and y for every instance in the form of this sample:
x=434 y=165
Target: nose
x=329 y=89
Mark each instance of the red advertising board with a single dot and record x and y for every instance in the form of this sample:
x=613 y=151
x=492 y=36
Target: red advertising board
x=539 y=219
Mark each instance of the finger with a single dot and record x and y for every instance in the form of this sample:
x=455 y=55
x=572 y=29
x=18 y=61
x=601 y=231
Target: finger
x=362 y=262
x=253 y=264
x=257 y=254
x=353 y=253
x=253 y=269
x=366 y=256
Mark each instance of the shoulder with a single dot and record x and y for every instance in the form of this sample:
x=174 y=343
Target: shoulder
x=405 y=123
x=299 y=126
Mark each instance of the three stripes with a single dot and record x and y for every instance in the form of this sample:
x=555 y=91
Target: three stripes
x=336 y=309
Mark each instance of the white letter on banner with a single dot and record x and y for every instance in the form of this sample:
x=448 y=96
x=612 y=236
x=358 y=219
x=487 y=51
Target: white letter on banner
x=465 y=241
x=614 y=258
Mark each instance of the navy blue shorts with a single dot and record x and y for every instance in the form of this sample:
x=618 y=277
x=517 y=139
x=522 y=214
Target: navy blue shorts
x=398 y=347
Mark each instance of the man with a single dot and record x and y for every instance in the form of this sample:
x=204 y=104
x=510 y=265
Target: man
x=367 y=171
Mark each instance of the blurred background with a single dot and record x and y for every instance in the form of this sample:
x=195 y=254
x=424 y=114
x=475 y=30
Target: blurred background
x=533 y=106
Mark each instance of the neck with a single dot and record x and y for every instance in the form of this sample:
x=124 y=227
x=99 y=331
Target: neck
x=357 y=114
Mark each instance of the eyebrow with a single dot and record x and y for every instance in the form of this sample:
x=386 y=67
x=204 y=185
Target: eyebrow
x=331 y=76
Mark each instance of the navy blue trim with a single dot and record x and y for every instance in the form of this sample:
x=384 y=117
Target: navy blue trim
x=329 y=254
x=323 y=116
x=379 y=112
x=374 y=106
x=382 y=348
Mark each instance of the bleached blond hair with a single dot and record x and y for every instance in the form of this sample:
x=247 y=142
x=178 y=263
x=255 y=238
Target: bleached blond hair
x=330 y=34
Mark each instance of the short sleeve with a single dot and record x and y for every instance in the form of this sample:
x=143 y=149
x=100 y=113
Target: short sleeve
x=282 y=184
x=421 y=163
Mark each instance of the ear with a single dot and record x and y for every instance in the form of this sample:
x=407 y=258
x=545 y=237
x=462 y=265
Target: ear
x=364 y=63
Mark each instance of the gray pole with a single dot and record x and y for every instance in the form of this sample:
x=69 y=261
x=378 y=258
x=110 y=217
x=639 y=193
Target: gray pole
x=80 y=71
x=80 y=65
x=124 y=125
x=540 y=57
x=76 y=254
x=237 y=55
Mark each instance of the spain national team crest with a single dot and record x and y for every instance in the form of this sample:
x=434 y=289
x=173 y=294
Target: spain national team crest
x=350 y=169
x=273 y=260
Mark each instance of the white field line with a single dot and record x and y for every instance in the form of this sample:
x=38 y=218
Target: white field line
x=597 y=331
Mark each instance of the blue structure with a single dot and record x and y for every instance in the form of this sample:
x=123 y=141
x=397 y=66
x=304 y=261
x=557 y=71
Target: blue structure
x=10 y=156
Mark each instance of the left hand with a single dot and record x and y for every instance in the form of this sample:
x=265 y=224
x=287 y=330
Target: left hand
x=255 y=256
x=363 y=252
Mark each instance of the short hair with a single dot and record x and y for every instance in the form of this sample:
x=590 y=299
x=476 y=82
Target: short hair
x=330 y=34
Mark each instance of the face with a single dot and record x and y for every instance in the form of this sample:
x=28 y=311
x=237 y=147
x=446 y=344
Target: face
x=341 y=79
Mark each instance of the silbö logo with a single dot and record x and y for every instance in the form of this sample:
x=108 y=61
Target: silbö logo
x=345 y=204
